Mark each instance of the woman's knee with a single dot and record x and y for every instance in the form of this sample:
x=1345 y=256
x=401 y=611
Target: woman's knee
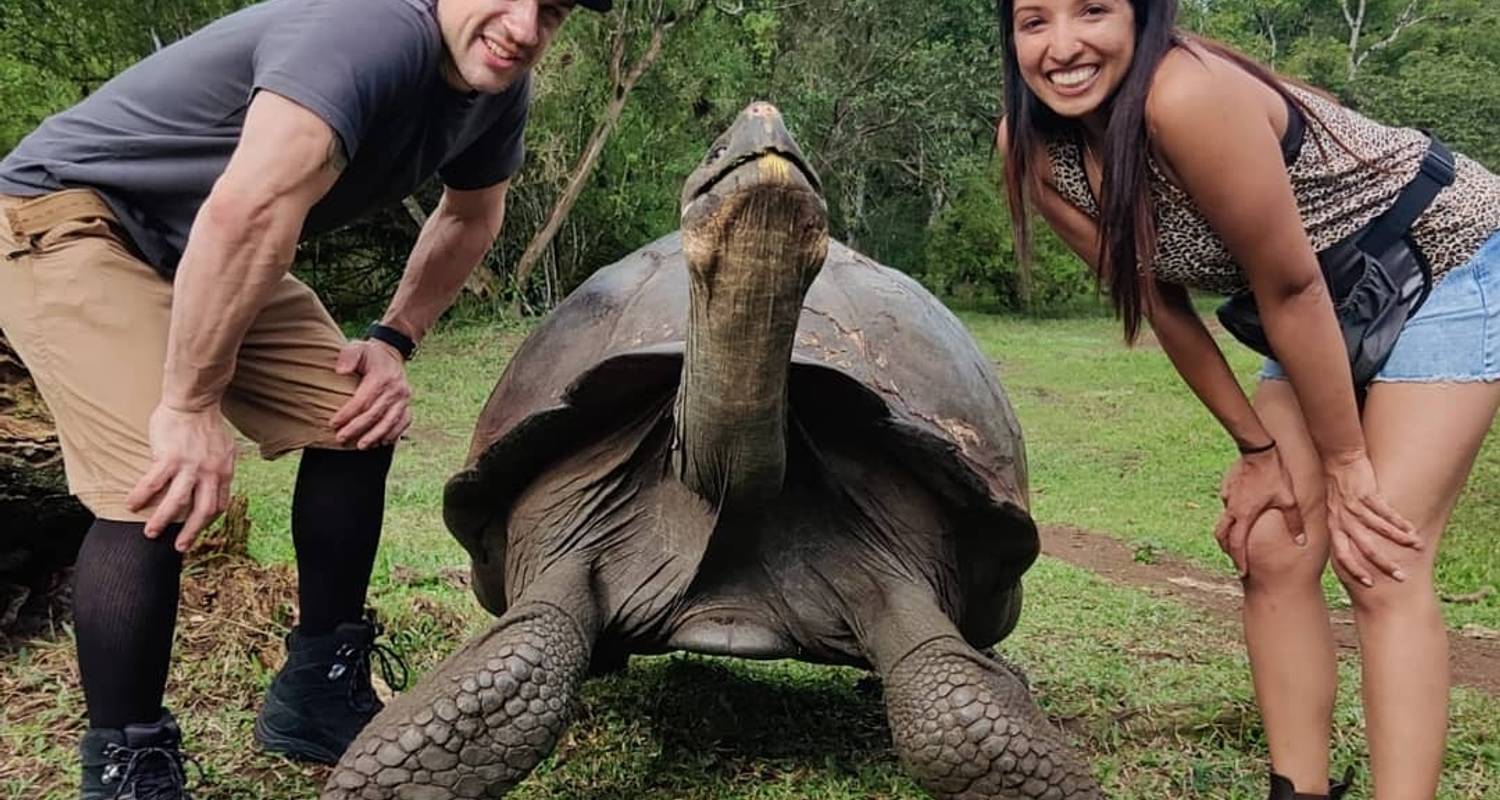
x=1276 y=560
x=1388 y=595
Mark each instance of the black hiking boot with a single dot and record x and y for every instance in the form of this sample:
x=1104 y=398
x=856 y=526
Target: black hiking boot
x=322 y=696
x=137 y=762
x=1282 y=788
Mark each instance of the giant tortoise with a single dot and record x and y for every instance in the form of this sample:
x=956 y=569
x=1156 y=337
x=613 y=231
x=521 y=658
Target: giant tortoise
x=741 y=440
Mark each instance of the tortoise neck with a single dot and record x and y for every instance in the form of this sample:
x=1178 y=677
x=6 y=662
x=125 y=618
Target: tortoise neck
x=751 y=260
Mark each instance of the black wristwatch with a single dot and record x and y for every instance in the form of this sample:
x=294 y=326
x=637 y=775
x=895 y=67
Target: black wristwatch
x=385 y=333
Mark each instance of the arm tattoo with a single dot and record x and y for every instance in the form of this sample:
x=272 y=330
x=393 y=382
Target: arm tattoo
x=336 y=158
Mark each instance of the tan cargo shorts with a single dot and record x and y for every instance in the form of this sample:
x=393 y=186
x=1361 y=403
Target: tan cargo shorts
x=90 y=319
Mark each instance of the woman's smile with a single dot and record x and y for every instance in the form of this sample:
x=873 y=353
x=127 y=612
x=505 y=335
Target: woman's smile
x=1073 y=54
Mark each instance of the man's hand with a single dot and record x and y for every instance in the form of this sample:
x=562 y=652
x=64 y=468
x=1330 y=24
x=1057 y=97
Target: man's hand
x=1254 y=485
x=380 y=410
x=191 y=471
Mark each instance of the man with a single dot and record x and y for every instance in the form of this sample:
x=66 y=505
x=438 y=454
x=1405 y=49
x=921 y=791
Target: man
x=145 y=240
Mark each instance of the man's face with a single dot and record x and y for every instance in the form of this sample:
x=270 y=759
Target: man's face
x=491 y=43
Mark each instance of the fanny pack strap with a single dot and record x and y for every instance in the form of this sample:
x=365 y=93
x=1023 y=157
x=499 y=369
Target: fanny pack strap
x=1437 y=171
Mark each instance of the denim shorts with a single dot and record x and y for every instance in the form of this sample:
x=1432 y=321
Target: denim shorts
x=1455 y=335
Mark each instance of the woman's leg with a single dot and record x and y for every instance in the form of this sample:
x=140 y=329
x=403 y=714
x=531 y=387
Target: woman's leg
x=1287 y=630
x=1422 y=440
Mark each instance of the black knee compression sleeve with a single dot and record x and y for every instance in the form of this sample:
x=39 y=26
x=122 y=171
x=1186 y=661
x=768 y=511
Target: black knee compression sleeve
x=336 y=515
x=124 y=610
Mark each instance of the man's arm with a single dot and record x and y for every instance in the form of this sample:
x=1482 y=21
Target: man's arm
x=451 y=245
x=243 y=242
x=241 y=245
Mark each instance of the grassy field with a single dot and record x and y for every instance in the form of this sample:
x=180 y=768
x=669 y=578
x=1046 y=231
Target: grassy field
x=1117 y=443
x=1156 y=694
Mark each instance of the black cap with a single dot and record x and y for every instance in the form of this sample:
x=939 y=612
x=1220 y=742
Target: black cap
x=597 y=5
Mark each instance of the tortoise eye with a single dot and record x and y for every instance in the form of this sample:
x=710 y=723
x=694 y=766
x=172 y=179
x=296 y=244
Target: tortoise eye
x=717 y=153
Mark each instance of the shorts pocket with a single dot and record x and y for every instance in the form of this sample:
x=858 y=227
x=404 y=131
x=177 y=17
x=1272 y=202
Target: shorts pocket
x=69 y=231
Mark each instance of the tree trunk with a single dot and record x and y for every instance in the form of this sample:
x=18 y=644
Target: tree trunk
x=1355 y=18
x=41 y=526
x=622 y=83
x=581 y=172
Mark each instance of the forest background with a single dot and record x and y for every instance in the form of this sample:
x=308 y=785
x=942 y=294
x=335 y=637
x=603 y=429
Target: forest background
x=894 y=101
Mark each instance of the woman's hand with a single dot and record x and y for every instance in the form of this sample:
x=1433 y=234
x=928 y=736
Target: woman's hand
x=1254 y=485
x=1364 y=528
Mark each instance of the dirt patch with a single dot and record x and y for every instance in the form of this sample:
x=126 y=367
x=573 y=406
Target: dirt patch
x=1474 y=660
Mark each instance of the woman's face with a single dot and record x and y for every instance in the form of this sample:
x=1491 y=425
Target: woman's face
x=1073 y=54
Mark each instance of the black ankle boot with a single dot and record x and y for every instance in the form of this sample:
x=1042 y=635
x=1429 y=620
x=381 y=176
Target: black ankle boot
x=322 y=696
x=1337 y=790
x=137 y=762
x=1282 y=788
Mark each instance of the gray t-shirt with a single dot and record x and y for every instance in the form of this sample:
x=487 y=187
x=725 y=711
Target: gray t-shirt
x=153 y=140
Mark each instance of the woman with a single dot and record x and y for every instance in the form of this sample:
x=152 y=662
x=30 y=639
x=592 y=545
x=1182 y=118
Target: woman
x=1168 y=162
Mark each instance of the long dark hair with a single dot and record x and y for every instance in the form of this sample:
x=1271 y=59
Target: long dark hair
x=1127 y=224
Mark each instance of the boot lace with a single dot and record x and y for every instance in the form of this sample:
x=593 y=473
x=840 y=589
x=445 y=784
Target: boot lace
x=356 y=660
x=149 y=773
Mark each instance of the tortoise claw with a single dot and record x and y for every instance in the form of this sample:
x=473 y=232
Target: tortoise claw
x=480 y=723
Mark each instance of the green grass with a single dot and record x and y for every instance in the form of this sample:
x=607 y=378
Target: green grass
x=1117 y=443
x=1155 y=694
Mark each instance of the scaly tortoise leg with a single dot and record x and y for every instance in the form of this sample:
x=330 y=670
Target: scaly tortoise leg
x=964 y=725
x=483 y=719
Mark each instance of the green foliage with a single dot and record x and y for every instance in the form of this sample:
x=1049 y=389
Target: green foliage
x=971 y=256
x=30 y=95
x=895 y=104
x=1445 y=93
x=1428 y=68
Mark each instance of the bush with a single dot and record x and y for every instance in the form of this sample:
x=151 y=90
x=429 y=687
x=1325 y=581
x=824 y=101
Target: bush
x=30 y=96
x=970 y=256
x=1438 y=92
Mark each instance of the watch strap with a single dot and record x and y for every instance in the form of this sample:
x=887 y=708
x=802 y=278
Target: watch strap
x=402 y=343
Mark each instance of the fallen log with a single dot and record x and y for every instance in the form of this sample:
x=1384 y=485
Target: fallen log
x=41 y=525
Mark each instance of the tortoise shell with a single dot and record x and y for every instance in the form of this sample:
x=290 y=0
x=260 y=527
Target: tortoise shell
x=870 y=341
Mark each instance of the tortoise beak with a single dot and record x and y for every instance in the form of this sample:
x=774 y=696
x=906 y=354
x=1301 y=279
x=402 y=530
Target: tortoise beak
x=758 y=133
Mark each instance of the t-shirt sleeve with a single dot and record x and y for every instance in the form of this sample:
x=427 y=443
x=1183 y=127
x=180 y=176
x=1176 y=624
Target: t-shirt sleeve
x=498 y=153
x=346 y=61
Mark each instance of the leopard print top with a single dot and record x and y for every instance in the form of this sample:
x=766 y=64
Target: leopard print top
x=1336 y=195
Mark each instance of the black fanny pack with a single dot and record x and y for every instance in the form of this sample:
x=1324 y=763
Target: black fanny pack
x=1377 y=277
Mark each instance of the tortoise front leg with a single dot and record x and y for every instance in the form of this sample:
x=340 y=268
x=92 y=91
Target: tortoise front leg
x=964 y=724
x=484 y=718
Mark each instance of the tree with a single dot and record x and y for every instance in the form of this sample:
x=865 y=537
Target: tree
x=653 y=19
x=1356 y=17
x=894 y=103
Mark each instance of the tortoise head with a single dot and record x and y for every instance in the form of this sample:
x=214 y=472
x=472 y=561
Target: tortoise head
x=754 y=236
x=756 y=147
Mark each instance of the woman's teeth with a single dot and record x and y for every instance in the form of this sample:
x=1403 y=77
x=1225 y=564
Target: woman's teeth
x=1073 y=77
